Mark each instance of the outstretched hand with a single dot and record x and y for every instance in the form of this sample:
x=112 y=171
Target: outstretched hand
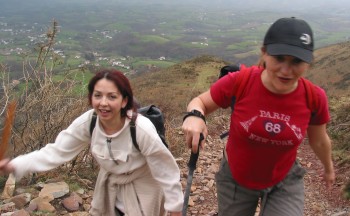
x=5 y=167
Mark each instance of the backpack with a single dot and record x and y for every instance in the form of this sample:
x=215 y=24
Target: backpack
x=242 y=80
x=151 y=112
x=228 y=69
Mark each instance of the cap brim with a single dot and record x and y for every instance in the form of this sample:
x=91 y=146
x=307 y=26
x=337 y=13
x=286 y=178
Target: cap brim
x=285 y=49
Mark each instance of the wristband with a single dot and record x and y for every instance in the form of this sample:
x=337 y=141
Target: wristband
x=194 y=113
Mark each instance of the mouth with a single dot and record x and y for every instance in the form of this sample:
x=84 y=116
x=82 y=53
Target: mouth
x=104 y=112
x=284 y=79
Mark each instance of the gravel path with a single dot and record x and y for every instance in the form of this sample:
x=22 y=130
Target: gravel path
x=318 y=200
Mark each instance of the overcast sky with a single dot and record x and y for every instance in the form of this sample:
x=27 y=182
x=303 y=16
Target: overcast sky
x=234 y=3
x=280 y=5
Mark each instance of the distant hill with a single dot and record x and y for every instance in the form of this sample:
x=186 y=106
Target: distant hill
x=331 y=69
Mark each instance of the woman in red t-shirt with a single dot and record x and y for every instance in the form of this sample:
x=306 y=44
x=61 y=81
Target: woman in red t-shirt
x=269 y=122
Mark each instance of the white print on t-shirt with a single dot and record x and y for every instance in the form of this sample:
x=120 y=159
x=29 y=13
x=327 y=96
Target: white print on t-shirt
x=274 y=115
x=247 y=124
x=273 y=142
x=272 y=128
x=296 y=130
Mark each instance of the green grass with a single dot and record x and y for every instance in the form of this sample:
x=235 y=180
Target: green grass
x=243 y=46
x=118 y=26
x=2 y=58
x=153 y=38
x=75 y=62
x=161 y=64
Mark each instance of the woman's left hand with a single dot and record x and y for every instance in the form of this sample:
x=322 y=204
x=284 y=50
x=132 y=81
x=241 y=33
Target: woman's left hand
x=329 y=178
x=5 y=167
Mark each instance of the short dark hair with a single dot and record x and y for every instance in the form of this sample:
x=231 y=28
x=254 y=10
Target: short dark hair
x=120 y=81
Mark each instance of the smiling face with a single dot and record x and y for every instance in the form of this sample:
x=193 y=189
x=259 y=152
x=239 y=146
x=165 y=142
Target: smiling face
x=282 y=72
x=107 y=101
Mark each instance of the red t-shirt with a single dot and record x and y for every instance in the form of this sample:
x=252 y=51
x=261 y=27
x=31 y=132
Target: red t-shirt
x=266 y=129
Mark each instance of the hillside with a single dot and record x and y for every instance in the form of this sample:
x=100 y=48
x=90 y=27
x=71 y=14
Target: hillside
x=172 y=88
x=178 y=83
x=331 y=69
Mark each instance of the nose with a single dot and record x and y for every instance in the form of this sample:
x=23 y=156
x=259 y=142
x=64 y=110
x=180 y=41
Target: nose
x=286 y=68
x=104 y=101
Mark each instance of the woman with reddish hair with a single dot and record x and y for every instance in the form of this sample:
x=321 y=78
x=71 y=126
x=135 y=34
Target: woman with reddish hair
x=130 y=181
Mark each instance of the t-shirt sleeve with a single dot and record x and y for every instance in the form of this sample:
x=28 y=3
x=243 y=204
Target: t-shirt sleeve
x=222 y=90
x=322 y=115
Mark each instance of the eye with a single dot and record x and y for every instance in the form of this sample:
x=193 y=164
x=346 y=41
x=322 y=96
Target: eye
x=96 y=95
x=113 y=96
x=297 y=61
x=279 y=58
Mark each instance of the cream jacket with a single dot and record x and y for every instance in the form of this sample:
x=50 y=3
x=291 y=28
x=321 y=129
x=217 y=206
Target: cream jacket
x=71 y=141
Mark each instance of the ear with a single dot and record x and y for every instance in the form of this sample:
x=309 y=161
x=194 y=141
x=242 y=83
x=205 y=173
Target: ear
x=125 y=102
x=263 y=54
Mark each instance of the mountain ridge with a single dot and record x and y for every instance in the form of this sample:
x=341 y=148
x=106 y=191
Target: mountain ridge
x=188 y=78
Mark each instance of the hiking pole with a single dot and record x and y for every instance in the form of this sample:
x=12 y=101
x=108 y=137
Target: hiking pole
x=223 y=135
x=191 y=167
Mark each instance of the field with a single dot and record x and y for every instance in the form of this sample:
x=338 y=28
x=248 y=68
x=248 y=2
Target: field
x=132 y=36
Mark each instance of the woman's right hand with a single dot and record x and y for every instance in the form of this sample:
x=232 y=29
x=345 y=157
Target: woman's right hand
x=193 y=126
x=6 y=167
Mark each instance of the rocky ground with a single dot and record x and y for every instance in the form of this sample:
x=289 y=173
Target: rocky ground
x=319 y=200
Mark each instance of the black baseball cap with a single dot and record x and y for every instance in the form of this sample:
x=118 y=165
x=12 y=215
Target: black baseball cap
x=290 y=36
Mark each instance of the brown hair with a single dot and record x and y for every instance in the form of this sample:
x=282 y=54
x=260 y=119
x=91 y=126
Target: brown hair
x=120 y=81
x=261 y=62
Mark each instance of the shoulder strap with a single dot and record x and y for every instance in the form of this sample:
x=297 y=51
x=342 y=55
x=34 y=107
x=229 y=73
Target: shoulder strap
x=133 y=130
x=311 y=95
x=93 y=122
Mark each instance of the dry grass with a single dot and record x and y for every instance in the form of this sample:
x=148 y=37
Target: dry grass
x=331 y=69
x=339 y=128
x=172 y=89
x=45 y=106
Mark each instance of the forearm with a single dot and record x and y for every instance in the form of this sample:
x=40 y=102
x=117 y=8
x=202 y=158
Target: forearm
x=169 y=180
x=203 y=103
x=42 y=160
x=194 y=125
x=323 y=151
x=197 y=104
x=51 y=156
x=322 y=146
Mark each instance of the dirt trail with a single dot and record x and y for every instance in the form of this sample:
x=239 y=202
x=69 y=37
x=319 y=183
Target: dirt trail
x=318 y=200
